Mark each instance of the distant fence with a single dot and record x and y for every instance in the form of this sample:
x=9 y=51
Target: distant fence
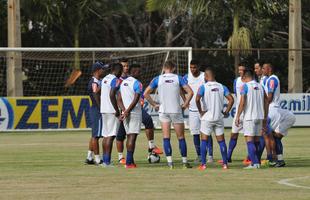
x=71 y=112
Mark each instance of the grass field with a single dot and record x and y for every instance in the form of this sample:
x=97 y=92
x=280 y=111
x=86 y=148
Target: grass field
x=49 y=165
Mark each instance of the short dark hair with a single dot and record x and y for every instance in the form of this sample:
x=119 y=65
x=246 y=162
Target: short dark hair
x=270 y=65
x=123 y=59
x=169 y=64
x=248 y=73
x=242 y=64
x=194 y=62
x=116 y=66
x=133 y=66
x=210 y=69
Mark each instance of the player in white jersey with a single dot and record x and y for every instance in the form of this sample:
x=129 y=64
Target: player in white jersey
x=280 y=121
x=130 y=91
x=195 y=79
x=272 y=89
x=235 y=130
x=253 y=104
x=170 y=108
x=213 y=95
x=109 y=110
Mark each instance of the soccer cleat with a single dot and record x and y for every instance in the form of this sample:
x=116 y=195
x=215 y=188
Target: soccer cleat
x=264 y=163
x=225 y=166
x=130 y=166
x=272 y=163
x=156 y=150
x=187 y=166
x=105 y=165
x=255 y=166
x=246 y=162
x=170 y=165
x=197 y=160
x=280 y=163
x=89 y=162
x=122 y=161
x=210 y=159
x=220 y=162
x=202 y=167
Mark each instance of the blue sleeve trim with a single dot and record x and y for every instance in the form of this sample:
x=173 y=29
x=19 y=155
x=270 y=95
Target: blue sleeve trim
x=154 y=82
x=137 y=87
x=244 y=89
x=201 y=90
x=226 y=91
x=182 y=82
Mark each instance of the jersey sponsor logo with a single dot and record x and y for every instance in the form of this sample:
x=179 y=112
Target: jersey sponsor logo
x=256 y=88
x=125 y=84
x=105 y=81
x=215 y=90
x=169 y=81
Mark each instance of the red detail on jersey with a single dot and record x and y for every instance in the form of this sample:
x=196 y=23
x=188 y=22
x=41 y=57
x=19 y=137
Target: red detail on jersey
x=271 y=84
x=118 y=82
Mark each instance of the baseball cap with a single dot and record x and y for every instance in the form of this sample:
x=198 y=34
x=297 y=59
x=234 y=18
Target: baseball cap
x=97 y=65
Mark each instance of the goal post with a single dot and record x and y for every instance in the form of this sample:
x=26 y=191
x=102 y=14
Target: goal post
x=50 y=72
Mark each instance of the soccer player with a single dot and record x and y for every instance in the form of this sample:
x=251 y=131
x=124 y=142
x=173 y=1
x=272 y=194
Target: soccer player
x=235 y=130
x=146 y=120
x=195 y=79
x=280 y=121
x=110 y=112
x=272 y=90
x=130 y=91
x=253 y=103
x=93 y=90
x=170 y=110
x=213 y=95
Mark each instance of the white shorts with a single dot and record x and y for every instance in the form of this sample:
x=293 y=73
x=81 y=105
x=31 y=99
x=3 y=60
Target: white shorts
x=252 y=127
x=237 y=129
x=194 y=122
x=110 y=124
x=132 y=124
x=281 y=120
x=175 y=118
x=207 y=127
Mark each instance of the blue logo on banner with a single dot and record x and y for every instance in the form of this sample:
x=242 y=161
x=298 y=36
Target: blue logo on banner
x=6 y=114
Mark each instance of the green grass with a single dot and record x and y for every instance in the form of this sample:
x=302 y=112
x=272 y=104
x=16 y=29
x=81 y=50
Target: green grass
x=49 y=165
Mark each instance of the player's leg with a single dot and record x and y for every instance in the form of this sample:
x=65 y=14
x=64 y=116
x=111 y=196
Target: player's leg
x=279 y=149
x=108 y=150
x=194 y=126
x=178 y=124
x=210 y=149
x=219 y=132
x=249 y=134
x=96 y=133
x=233 y=139
x=120 y=138
x=205 y=130
x=89 y=159
x=130 y=145
x=149 y=132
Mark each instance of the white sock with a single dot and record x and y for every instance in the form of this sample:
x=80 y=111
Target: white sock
x=89 y=155
x=151 y=144
x=280 y=157
x=210 y=157
x=184 y=159
x=169 y=159
x=120 y=156
x=97 y=158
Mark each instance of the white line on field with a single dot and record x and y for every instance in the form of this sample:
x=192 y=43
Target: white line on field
x=288 y=180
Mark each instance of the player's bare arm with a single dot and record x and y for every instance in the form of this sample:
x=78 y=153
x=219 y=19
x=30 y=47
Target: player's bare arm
x=189 y=96
x=147 y=96
x=201 y=112
x=114 y=101
x=230 y=104
x=132 y=105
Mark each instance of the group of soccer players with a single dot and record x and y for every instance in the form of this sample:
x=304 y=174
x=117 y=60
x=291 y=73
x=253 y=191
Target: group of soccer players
x=116 y=112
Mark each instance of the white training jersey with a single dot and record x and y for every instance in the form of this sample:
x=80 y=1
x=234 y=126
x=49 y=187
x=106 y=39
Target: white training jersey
x=254 y=102
x=272 y=86
x=194 y=83
x=109 y=82
x=237 y=88
x=213 y=94
x=129 y=87
x=262 y=80
x=169 y=92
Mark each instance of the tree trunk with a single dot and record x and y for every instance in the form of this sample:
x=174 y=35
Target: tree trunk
x=235 y=44
x=77 y=64
x=134 y=30
x=169 y=35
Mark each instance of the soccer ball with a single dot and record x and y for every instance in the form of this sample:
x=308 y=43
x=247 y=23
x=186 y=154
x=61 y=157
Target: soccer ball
x=153 y=158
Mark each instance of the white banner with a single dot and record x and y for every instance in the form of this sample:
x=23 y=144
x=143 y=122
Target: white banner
x=298 y=103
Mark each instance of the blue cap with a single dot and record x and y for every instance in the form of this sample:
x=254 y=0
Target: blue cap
x=96 y=66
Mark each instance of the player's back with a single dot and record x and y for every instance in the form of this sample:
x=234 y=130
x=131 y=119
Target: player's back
x=93 y=84
x=254 y=102
x=194 y=83
x=213 y=97
x=169 y=93
x=273 y=86
x=128 y=88
x=107 y=83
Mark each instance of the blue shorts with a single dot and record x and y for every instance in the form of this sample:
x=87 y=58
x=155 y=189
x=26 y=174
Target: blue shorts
x=146 y=121
x=95 y=122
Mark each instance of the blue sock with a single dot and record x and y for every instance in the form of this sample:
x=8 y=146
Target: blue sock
x=203 y=151
x=258 y=150
x=196 y=139
x=261 y=146
x=231 y=147
x=129 y=158
x=182 y=147
x=279 y=145
x=252 y=152
x=269 y=157
x=167 y=147
x=223 y=148
x=104 y=158
x=210 y=145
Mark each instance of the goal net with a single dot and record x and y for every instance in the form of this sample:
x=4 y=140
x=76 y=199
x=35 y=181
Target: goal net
x=45 y=71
